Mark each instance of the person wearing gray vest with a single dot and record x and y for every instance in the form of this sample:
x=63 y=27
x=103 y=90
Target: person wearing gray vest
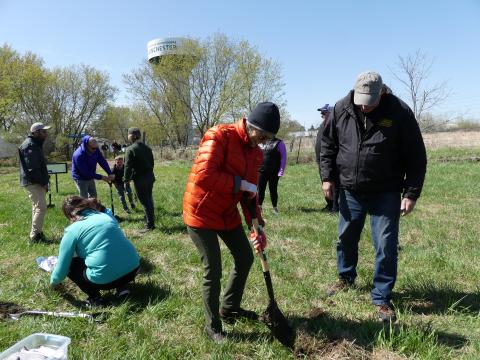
x=34 y=177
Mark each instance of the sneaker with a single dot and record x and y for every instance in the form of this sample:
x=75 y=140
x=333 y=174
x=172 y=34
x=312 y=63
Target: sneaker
x=122 y=293
x=275 y=210
x=340 y=285
x=385 y=313
x=230 y=316
x=217 y=337
x=127 y=211
x=96 y=301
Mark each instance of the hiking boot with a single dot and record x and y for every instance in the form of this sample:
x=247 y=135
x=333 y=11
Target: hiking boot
x=39 y=238
x=385 y=313
x=340 y=285
x=96 y=301
x=217 y=337
x=230 y=316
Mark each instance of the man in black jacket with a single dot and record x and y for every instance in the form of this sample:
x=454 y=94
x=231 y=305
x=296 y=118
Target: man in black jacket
x=373 y=140
x=34 y=177
x=139 y=165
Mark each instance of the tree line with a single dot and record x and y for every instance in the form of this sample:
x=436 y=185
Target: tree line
x=217 y=80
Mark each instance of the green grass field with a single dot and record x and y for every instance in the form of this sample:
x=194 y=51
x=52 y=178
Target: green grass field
x=437 y=292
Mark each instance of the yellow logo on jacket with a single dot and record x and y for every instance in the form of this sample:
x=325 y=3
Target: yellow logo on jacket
x=384 y=122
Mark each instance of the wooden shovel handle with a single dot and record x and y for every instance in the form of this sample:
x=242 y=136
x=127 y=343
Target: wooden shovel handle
x=261 y=254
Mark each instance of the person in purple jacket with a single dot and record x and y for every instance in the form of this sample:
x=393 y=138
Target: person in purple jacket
x=273 y=166
x=84 y=166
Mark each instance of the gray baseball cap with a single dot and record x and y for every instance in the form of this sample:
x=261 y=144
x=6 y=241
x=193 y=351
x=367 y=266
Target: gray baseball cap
x=368 y=88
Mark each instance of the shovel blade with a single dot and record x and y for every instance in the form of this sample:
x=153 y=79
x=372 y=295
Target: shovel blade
x=278 y=325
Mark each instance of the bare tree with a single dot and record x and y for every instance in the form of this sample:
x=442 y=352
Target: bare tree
x=153 y=88
x=413 y=72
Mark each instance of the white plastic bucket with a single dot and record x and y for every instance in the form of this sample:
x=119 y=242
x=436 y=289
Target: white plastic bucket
x=52 y=341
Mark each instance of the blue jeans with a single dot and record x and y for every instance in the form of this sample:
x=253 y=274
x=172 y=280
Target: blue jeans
x=123 y=188
x=384 y=211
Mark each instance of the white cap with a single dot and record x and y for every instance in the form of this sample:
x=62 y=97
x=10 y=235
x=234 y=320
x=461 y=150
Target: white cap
x=38 y=126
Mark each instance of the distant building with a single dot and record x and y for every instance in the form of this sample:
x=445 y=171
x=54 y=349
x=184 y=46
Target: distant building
x=305 y=133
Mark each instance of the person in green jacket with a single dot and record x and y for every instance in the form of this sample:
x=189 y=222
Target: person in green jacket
x=94 y=252
x=139 y=168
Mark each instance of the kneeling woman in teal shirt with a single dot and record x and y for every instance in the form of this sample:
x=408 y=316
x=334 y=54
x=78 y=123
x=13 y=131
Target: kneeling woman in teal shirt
x=94 y=252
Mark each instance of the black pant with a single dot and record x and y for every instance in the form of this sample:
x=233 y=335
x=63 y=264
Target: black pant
x=144 y=186
x=78 y=275
x=272 y=179
x=208 y=246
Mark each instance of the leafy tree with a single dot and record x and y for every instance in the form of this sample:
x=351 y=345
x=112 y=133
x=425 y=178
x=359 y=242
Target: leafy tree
x=205 y=83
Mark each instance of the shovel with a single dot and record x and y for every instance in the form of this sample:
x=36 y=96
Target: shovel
x=272 y=316
x=52 y=313
x=112 y=206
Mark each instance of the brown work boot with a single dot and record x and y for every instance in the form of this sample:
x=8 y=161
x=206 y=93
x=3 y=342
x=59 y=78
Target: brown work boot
x=385 y=313
x=340 y=285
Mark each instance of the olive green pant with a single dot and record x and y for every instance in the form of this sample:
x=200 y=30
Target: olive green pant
x=208 y=246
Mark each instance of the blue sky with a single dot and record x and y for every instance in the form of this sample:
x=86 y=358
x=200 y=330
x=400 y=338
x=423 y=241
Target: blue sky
x=321 y=45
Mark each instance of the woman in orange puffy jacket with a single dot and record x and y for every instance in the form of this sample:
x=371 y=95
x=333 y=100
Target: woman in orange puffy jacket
x=225 y=173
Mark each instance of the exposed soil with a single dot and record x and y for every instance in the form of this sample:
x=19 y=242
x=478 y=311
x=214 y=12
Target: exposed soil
x=9 y=308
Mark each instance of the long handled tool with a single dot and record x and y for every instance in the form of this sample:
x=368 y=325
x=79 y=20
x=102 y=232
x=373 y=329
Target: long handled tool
x=111 y=198
x=52 y=313
x=272 y=316
x=50 y=205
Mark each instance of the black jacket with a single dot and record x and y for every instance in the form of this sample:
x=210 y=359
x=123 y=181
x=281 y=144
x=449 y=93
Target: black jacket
x=384 y=153
x=271 y=156
x=138 y=161
x=118 y=172
x=33 y=166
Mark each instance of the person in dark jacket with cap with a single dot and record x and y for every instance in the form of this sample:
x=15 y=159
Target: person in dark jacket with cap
x=139 y=165
x=373 y=140
x=225 y=173
x=34 y=177
x=332 y=205
x=84 y=167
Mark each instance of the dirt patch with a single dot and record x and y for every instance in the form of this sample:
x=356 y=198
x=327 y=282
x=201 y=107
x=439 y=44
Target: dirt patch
x=311 y=348
x=458 y=159
x=9 y=308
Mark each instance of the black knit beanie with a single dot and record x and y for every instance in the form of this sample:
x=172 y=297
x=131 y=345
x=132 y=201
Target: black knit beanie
x=266 y=117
